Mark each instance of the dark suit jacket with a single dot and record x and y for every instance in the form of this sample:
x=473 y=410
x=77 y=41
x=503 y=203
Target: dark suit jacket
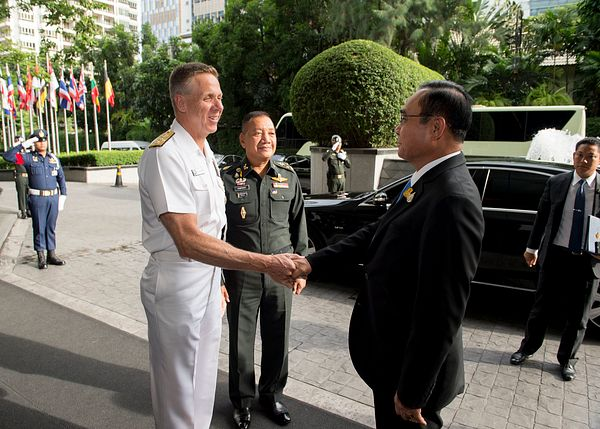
x=420 y=258
x=549 y=215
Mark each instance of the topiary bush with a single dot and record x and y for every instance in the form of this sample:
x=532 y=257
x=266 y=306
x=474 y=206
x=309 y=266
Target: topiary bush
x=355 y=89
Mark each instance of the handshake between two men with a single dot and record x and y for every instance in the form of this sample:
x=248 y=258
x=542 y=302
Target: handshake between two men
x=290 y=270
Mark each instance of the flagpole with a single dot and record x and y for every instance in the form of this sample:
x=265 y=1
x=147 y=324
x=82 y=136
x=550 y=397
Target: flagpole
x=11 y=118
x=4 y=131
x=94 y=109
x=56 y=126
x=51 y=140
x=107 y=109
x=19 y=81
x=85 y=121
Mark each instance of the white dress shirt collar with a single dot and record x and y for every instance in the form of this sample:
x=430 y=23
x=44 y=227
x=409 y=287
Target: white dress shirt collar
x=418 y=174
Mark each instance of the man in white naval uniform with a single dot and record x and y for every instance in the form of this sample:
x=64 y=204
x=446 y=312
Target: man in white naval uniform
x=183 y=213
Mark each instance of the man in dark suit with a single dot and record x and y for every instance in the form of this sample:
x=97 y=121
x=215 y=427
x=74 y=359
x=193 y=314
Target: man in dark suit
x=568 y=275
x=405 y=335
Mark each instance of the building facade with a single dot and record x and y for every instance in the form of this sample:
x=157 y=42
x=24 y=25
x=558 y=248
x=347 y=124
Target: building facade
x=27 y=29
x=175 y=18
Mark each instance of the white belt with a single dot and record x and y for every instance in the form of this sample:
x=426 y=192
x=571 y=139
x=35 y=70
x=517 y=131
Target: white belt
x=43 y=192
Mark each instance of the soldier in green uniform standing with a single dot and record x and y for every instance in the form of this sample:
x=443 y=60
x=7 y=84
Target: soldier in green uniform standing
x=265 y=213
x=337 y=162
x=21 y=183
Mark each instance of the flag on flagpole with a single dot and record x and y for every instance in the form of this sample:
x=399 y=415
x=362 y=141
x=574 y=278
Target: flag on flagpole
x=74 y=91
x=108 y=90
x=81 y=90
x=53 y=86
x=30 y=93
x=11 y=94
x=95 y=94
x=22 y=92
x=63 y=95
x=42 y=98
x=4 y=93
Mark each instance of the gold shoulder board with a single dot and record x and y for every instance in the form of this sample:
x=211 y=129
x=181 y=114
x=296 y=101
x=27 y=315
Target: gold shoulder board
x=162 y=139
x=284 y=165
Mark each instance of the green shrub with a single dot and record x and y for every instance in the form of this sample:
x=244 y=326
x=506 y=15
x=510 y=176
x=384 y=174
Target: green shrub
x=93 y=158
x=355 y=89
x=592 y=127
x=101 y=158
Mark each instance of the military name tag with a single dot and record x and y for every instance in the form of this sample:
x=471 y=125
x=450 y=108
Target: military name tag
x=281 y=185
x=242 y=194
x=241 y=188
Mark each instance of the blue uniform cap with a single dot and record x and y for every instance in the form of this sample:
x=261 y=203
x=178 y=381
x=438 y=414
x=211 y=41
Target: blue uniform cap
x=41 y=135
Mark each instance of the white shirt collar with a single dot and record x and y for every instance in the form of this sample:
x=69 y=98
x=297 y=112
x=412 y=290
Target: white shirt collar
x=589 y=180
x=178 y=128
x=417 y=175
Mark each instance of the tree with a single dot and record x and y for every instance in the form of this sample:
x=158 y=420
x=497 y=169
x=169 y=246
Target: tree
x=588 y=52
x=150 y=90
x=258 y=48
x=62 y=14
x=355 y=89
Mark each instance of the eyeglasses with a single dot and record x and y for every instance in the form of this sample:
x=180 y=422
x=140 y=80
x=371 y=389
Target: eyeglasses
x=404 y=116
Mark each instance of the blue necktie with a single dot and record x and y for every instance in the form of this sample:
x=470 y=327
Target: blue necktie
x=577 y=225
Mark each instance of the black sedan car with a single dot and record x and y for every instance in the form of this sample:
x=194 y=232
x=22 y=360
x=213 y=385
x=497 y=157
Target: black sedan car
x=510 y=192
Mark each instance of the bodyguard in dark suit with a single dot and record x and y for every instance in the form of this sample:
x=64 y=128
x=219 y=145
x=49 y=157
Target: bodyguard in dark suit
x=568 y=275
x=405 y=334
x=265 y=214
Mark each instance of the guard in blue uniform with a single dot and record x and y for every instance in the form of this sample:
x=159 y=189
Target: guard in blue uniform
x=47 y=193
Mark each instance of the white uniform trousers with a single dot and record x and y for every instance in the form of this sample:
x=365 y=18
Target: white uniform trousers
x=182 y=303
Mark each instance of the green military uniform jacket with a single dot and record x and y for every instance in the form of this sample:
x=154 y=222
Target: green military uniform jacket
x=266 y=214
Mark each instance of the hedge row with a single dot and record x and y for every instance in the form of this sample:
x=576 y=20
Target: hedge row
x=94 y=158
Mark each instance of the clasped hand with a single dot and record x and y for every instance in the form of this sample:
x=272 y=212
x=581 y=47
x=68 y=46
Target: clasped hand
x=290 y=270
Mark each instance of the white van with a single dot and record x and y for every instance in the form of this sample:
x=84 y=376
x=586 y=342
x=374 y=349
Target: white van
x=508 y=130
x=125 y=145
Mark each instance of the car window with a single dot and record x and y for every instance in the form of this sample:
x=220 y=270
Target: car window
x=514 y=189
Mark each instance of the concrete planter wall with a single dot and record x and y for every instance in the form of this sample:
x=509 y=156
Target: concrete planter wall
x=101 y=174
x=367 y=164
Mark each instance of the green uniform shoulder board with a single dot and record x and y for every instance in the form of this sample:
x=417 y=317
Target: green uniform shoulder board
x=284 y=165
x=162 y=139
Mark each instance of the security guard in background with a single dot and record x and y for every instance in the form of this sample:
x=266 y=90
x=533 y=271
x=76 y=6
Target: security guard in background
x=21 y=183
x=265 y=213
x=46 y=181
x=337 y=162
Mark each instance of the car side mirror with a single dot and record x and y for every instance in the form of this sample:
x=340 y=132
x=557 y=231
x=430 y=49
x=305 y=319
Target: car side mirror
x=380 y=199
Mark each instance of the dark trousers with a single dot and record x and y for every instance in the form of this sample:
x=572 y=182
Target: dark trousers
x=336 y=185
x=566 y=287
x=386 y=417
x=254 y=295
x=44 y=213
x=21 y=185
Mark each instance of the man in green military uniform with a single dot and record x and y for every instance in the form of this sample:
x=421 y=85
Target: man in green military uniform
x=21 y=183
x=337 y=162
x=265 y=213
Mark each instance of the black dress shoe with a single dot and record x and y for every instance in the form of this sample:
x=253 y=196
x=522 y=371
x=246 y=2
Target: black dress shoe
x=518 y=358
x=277 y=412
x=568 y=372
x=242 y=417
x=41 y=255
x=53 y=259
